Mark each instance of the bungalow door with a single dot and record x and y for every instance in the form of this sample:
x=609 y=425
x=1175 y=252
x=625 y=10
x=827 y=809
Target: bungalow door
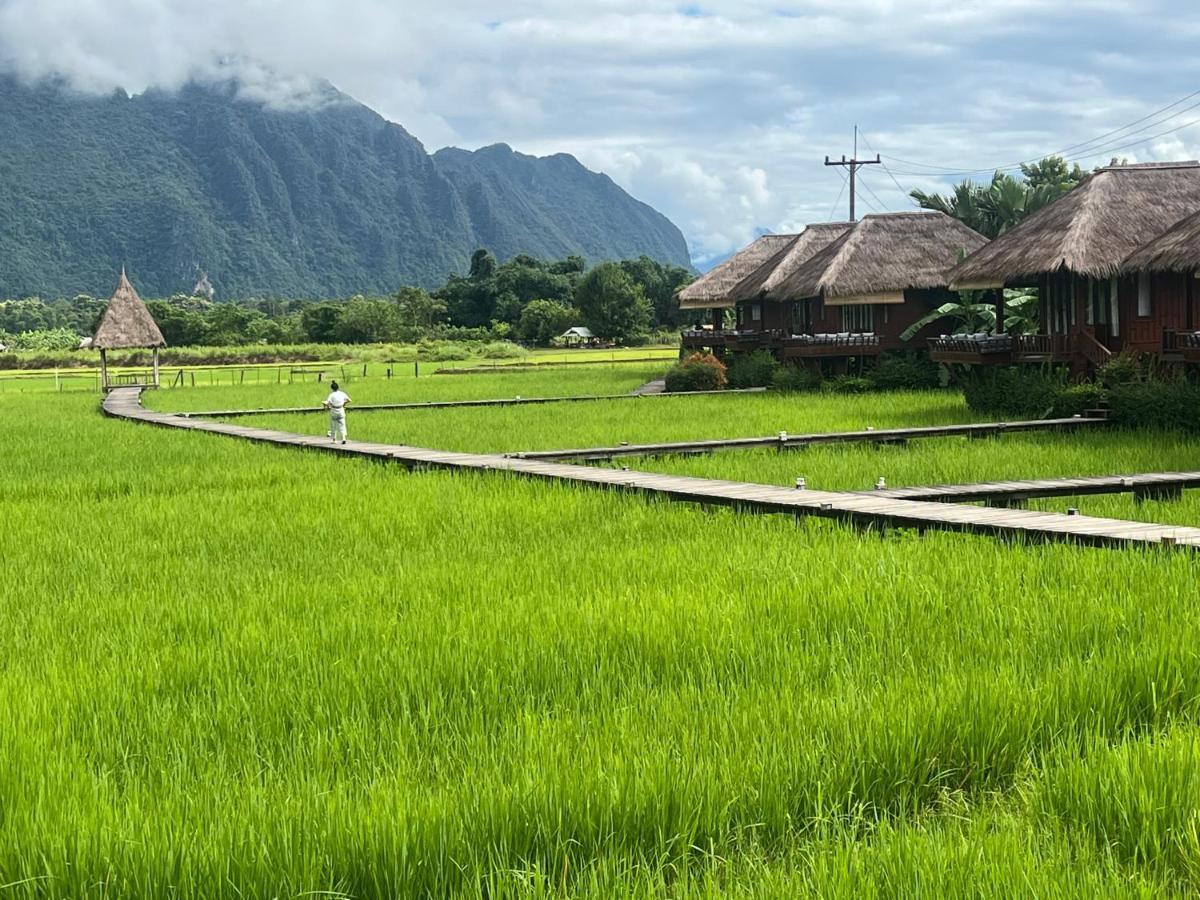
x=1104 y=314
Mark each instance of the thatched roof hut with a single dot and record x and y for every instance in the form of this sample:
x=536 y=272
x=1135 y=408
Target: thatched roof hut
x=811 y=241
x=1175 y=250
x=126 y=323
x=1092 y=229
x=881 y=257
x=711 y=290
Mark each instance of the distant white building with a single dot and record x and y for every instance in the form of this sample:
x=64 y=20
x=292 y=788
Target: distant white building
x=579 y=336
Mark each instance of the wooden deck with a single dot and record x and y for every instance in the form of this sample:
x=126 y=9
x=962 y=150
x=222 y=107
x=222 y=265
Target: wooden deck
x=1144 y=486
x=785 y=441
x=455 y=404
x=862 y=509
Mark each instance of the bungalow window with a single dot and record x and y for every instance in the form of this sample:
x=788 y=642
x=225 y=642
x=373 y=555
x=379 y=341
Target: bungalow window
x=755 y=312
x=1143 y=304
x=800 y=323
x=1098 y=307
x=858 y=319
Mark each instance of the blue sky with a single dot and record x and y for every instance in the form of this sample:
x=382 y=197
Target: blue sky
x=717 y=113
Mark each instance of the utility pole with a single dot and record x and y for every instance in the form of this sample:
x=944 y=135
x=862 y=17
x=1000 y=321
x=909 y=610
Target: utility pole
x=855 y=164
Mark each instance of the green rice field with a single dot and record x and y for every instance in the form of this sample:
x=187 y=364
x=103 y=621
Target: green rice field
x=230 y=669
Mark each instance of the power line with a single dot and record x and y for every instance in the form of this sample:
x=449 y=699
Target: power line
x=888 y=169
x=863 y=182
x=842 y=190
x=1095 y=146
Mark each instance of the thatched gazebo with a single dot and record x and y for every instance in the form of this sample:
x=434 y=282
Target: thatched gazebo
x=126 y=325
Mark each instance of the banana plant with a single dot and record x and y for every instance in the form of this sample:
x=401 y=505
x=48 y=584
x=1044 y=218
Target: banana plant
x=974 y=313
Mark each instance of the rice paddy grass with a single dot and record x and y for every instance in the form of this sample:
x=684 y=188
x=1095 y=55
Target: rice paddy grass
x=404 y=388
x=231 y=669
x=637 y=420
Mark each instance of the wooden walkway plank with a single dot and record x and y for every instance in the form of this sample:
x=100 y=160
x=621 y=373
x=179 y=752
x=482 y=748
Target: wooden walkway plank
x=792 y=441
x=878 y=507
x=450 y=404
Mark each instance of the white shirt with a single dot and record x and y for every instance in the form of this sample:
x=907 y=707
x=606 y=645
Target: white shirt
x=337 y=400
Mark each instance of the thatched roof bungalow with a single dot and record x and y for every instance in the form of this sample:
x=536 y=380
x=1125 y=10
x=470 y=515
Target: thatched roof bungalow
x=711 y=290
x=125 y=325
x=1091 y=230
x=880 y=258
x=1084 y=252
x=1175 y=250
x=768 y=276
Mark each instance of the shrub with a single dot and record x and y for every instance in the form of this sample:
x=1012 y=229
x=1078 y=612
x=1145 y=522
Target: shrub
x=699 y=372
x=502 y=350
x=754 y=369
x=1129 y=367
x=794 y=379
x=1014 y=392
x=1075 y=399
x=848 y=384
x=909 y=370
x=1157 y=404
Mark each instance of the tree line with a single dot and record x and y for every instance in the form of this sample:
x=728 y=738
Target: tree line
x=525 y=298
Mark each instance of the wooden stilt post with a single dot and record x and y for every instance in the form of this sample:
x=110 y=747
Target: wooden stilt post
x=103 y=370
x=156 y=367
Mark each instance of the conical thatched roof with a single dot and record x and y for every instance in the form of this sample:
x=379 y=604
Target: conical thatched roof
x=711 y=290
x=1176 y=250
x=883 y=254
x=811 y=241
x=126 y=322
x=1091 y=230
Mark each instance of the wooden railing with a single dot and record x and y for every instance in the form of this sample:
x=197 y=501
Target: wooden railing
x=1092 y=350
x=980 y=344
x=1050 y=346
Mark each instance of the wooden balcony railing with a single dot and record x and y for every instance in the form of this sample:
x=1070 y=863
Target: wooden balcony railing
x=981 y=344
x=1044 y=346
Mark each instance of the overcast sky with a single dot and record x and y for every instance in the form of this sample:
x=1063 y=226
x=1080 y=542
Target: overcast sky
x=717 y=113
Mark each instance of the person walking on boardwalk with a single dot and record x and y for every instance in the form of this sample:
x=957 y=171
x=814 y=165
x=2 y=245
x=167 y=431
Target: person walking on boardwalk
x=336 y=403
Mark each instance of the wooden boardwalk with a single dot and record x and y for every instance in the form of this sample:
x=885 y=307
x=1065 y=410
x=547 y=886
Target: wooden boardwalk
x=1144 y=486
x=862 y=509
x=786 y=441
x=456 y=404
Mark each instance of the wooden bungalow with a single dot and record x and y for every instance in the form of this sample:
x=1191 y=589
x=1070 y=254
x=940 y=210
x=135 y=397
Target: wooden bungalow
x=712 y=291
x=1098 y=296
x=1164 y=271
x=759 y=323
x=127 y=325
x=875 y=279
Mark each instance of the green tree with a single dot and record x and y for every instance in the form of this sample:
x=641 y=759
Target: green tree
x=368 y=321
x=613 y=305
x=418 y=311
x=229 y=324
x=179 y=327
x=659 y=283
x=995 y=207
x=483 y=265
x=544 y=320
x=319 y=322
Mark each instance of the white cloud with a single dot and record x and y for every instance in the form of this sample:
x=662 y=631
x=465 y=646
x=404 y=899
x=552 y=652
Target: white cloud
x=720 y=119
